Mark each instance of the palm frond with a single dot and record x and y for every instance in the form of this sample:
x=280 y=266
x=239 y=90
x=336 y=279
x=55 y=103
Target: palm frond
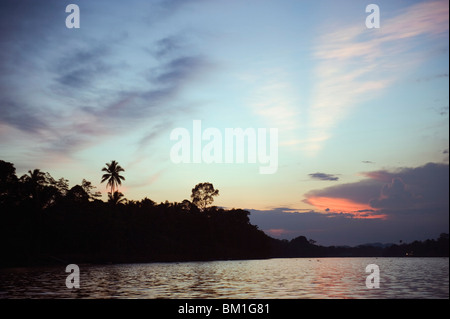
x=114 y=179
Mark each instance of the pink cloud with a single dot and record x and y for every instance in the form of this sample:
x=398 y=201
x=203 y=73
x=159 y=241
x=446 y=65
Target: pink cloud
x=348 y=56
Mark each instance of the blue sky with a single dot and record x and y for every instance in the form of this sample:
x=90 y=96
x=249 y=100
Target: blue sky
x=348 y=102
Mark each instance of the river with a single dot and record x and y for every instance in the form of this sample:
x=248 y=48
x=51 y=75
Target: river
x=283 y=278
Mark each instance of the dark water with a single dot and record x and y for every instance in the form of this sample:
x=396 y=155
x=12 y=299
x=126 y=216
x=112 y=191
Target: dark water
x=271 y=278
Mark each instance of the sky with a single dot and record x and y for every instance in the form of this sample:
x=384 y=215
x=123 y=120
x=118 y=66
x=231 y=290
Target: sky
x=361 y=114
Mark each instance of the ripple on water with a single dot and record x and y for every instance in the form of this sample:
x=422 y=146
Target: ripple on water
x=262 y=279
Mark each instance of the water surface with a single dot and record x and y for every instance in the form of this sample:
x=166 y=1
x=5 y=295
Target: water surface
x=247 y=279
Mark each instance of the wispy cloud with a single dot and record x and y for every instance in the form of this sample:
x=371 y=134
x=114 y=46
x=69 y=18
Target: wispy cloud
x=21 y=116
x=432 y=77
x=71 y=95
x=177 y=71
x=273 y=98
x=167 y=46
x=133 y=107
x=80 y=69
x=355 y=63
x=324 y=177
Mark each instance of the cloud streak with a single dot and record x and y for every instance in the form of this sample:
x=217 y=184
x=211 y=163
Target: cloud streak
x=355 y=63
x=82 y=68
x=88 y=90
x=323 y=177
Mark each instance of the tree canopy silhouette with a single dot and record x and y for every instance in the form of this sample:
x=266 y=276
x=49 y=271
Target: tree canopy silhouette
x=203 y=195
x=112 y=175
x=62 y=224
x=35 y=180
x=116 y=198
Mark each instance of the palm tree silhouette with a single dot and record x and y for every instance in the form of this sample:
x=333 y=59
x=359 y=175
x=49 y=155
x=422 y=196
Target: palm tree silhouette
x=116 y=198
x=112 y=175
x=35 y=177
x=34 y=180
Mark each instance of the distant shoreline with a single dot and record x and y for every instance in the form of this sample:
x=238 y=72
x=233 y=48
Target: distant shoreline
x=31 y=266
x=47 y=261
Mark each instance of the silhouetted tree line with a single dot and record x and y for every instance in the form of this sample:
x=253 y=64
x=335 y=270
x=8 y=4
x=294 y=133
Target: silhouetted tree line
x=301 y=247
x=44 y=221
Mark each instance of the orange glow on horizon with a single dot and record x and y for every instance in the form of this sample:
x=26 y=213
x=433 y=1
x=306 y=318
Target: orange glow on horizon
x=278 y=231
x=346 y=206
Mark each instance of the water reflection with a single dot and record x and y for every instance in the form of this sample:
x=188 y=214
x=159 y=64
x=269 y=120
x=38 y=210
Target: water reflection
x=272 y=278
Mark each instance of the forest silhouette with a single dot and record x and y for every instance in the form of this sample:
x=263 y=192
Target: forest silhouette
x=43 y=221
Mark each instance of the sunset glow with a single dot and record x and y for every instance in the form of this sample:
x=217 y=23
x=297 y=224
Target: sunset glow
x=361 y=114
x=345 y=206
